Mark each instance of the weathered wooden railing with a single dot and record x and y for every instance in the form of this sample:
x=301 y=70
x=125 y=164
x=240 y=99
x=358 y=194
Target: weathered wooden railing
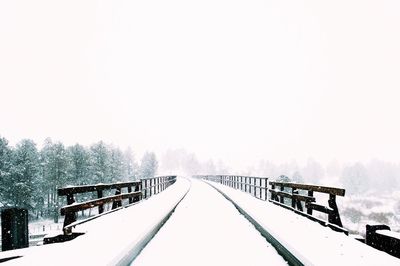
x=133 y=194
x=301 y=196
x=135 y=191
x=249 y=184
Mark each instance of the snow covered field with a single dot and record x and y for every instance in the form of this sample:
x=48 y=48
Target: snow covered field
x=206 y=229
x=357 y=211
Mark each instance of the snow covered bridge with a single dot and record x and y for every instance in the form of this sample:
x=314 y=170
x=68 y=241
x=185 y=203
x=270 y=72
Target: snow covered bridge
x=201 y=222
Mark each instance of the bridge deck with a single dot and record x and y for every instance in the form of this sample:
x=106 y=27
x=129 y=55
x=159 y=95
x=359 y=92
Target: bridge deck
x=206 y=229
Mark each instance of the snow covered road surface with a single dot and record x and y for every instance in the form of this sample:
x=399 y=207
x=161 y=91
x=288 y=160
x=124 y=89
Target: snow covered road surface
x=308 y=241
x=206 y=229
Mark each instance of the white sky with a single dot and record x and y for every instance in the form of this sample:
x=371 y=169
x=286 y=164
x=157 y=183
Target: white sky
x=239 y=80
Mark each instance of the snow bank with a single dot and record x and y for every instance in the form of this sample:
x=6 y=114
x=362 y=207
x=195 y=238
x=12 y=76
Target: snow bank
x=310 y=242
x=113 y=239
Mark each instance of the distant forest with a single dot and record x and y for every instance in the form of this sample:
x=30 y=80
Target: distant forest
x=30 y=177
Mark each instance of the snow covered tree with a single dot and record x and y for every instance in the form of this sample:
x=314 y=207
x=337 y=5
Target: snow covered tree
x=24 y=174
x=355 y=178
x=5 y=170
x=131 y=168
x=296 y=177
x=79 y=165
x=54 y=168
x=283 y=178
x=116 y=164
x=149 y=165
x=100 y=163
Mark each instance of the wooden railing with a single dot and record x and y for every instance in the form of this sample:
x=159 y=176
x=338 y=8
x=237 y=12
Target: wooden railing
x=154 y=185
x=134 y=192
x=301 y=196
x=256 y=186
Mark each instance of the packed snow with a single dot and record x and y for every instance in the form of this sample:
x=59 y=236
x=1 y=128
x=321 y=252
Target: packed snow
x=206 y=229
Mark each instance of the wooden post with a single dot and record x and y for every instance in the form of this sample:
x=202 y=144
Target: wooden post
x=144 y=189
x=333 y=216
x=282 y=199
x=266 y=188
x=294 y=192
x=118 y=203
x=272 y=193
x=99 y=196
x=14 y=227
x=310 y=194
x=129 y=191
x=70 y=217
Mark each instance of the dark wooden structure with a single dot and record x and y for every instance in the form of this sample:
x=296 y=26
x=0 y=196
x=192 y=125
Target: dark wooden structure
x=256 y=186
x=14 y=228
x=302 y=197
x=134 y=192
x=376 y=238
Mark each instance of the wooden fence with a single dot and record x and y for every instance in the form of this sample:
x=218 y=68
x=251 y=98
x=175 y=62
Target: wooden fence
x=293 y=196
x=134 y=192
x=302 y=197
x=256 y=186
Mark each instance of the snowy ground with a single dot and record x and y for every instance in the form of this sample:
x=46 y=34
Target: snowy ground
x=206 y=229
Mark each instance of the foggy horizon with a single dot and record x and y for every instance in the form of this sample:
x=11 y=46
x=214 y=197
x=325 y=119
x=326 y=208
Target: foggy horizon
x=239 y=83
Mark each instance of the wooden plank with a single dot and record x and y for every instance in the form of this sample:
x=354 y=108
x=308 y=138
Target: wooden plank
x=90 y=188
x=292 y=196
x=315 y=219
x=319 y=208
x=322 y=189
x=93 y=203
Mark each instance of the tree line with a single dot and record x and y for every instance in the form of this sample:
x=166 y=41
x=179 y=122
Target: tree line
x=30 y=177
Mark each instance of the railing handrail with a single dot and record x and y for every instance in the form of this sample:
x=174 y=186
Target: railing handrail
x=136 y=190
x=278 y=197
x=90 y=188
x=315 y=188
x=244 y=183
x=96 y=202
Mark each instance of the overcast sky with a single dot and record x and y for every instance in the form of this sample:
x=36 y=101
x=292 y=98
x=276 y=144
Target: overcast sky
x=237 y=80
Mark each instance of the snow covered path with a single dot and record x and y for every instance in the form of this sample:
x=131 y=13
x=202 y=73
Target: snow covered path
x=206 y=229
